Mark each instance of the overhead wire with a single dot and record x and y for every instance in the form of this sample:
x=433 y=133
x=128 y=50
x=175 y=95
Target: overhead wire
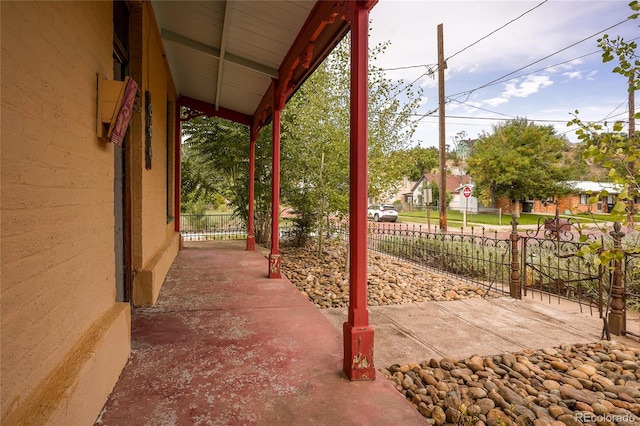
x=469 y=92
x=496 y=30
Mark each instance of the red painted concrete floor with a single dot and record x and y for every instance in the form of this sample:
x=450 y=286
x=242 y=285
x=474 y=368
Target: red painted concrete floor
x=224 y=345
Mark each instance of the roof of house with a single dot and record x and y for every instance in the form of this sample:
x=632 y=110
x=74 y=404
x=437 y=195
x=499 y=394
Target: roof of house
x=453 y=182
x=594 y=187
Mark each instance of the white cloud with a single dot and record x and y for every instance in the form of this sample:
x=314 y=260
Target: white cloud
x=574 y=75
x=531 y=84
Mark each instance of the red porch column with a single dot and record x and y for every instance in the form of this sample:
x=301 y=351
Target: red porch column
x=177 y=184
x=251 y=238
x=274 y=255
x=358 y=336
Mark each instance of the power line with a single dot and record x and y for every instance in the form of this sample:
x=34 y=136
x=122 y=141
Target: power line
x=469 y=92
x=482 y=109
x=431 y=68
x=496 y=30
x=533 y=120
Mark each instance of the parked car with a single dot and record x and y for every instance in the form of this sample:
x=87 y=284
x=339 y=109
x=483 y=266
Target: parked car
x=382 y=212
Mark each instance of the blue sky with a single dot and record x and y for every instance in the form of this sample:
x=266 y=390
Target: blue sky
x=545 y=92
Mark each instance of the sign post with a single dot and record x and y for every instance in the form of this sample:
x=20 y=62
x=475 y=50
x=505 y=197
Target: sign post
x=467 y=193
x=427 y=200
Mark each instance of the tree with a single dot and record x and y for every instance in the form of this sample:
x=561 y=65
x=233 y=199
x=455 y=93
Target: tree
x=607 y=145
x=519 y=160
x=416 y=161
x=215 y=161
x=315 y=138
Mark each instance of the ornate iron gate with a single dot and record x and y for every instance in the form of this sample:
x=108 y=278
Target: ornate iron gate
x=553 y=268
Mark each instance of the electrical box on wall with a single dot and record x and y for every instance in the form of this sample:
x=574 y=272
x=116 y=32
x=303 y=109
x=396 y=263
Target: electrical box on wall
x=115 y=101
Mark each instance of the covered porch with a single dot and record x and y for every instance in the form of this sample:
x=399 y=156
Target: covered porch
x=224 y=344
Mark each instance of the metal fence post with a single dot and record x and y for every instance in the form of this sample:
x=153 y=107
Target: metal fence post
x=616 y=320
x=514 y=280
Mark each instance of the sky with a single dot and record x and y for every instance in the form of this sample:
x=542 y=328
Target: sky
x=524 y=84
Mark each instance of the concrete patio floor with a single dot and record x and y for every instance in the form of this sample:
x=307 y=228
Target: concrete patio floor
x=224 y=345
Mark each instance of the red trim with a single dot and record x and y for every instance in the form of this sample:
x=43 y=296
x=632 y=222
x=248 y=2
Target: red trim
x=177 y=182
x=358 y=336
x=317 y=38
x=210 y=111
x=274 y=256
x=251 y=238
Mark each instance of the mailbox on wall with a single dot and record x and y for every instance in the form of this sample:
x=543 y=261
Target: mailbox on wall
x=115 y=102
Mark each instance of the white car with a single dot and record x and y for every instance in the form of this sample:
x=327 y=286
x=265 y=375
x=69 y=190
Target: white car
x=382 y=212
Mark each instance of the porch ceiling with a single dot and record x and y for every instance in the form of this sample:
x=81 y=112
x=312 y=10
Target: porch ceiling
x=227 y=53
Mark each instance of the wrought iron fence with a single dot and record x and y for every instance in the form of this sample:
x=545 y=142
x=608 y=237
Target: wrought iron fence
x=553 y=266
x=631 y=295
x=474 y=257
x=203 y=227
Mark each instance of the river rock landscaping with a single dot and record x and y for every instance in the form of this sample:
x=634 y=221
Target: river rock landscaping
x=322 y=278
x=583 y=384
x=586 y=384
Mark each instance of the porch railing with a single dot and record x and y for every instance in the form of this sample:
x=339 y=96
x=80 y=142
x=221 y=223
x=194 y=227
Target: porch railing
x=203 y=227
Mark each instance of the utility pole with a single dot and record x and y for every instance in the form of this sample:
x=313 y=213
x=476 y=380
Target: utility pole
x=442 y=198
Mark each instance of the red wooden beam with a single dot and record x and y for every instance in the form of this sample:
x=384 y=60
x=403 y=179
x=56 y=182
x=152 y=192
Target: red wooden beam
x=177 y=164
x=323 y=29
x=251 y=238
x=210 y=111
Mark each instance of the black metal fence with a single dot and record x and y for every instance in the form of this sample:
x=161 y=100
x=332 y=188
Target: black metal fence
x=474 y=257
x=203 y=227
x=631 y=295
x=554 y=267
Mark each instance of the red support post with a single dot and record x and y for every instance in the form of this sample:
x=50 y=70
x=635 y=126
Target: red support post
x=177 y=184
x=251 y=238
x=358 y=335
x=274 y=255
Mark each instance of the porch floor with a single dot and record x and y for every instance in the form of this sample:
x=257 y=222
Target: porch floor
x=225 y=345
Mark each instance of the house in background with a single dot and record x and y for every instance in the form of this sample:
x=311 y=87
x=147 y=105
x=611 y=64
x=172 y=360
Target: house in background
x=453 y=183
x=461 y=203
x=464 y=148
x=576 y=202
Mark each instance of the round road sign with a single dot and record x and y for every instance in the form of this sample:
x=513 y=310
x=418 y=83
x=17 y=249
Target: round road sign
x=466 y=191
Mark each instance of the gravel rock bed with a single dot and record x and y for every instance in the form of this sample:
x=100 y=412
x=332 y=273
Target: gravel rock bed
x=585 y=384
x=322 y=278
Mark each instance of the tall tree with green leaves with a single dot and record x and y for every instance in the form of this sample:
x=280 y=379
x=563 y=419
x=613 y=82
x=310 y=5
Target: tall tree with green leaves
x=215 y=161
x=315 y=138
x=415 y=161
x=519 y=160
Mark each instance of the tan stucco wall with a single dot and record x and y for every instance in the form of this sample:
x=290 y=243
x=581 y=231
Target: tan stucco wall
x=155 y=243
x=64 y=338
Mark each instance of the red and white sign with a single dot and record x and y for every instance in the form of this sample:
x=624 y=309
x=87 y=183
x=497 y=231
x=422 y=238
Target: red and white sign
x=466 y=191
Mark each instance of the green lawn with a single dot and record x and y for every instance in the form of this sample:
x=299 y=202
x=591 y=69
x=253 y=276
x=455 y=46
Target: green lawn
x=455 y=218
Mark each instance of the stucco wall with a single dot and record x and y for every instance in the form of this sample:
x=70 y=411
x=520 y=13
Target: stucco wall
x=58 y=280
x=155 y=242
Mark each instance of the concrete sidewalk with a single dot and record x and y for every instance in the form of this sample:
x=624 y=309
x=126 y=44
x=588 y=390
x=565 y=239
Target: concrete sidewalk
x=458 y=329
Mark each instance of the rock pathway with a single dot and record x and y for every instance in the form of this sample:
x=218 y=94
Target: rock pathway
x=322 y=278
